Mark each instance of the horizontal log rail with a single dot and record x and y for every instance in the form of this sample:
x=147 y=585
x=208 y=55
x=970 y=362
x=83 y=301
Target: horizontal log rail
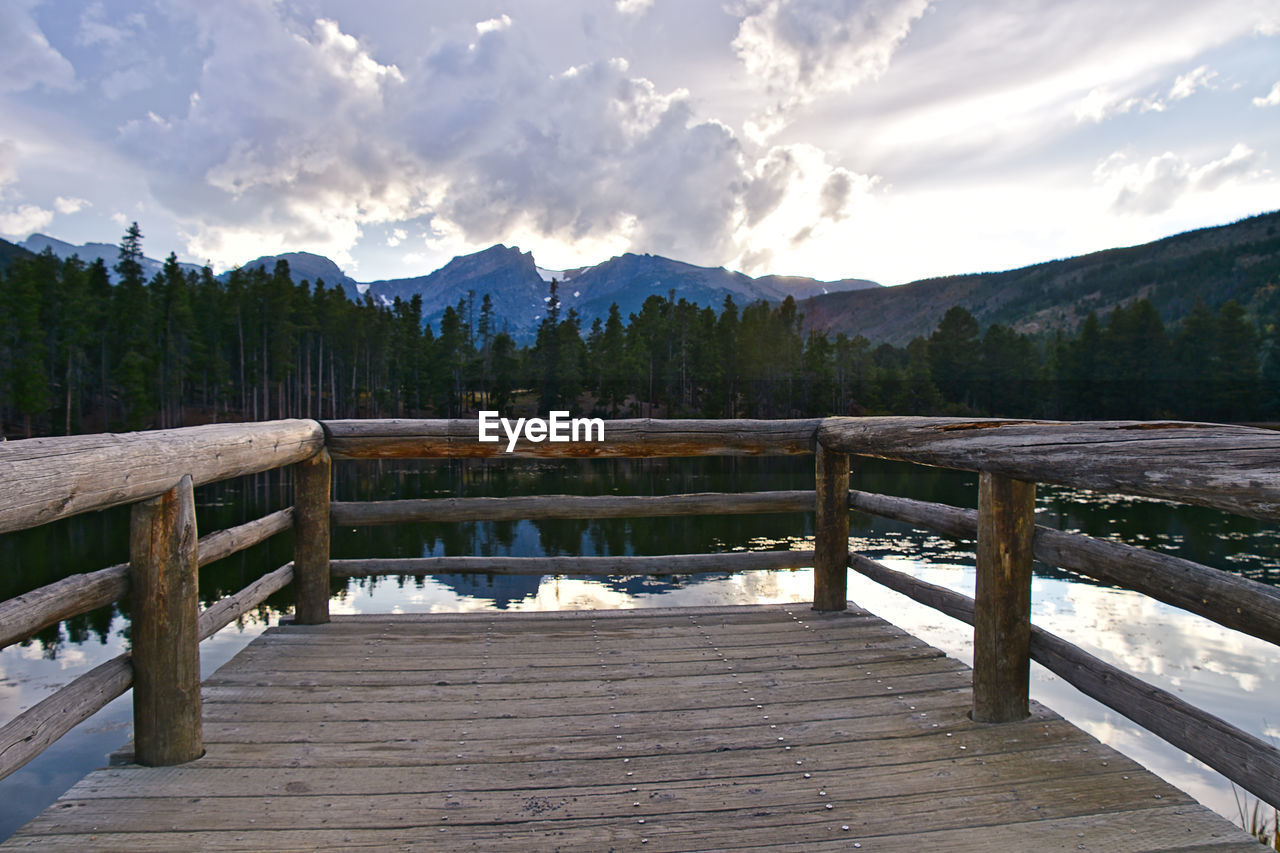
x=1230 y=600
x=50 y=478
x=1246 y=760
x=1232 y=468
x=639 y=438
x=358 y=513
x=31 y=732
x=26 y=614
x=670 y=564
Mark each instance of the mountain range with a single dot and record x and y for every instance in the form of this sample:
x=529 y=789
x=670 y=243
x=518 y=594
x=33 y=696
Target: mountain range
x=1238 y=261
x=518 y=287
x=520 y=290
x=108 y=253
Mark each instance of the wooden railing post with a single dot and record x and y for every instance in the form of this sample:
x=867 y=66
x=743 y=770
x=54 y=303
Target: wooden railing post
x=311 y=481
x=1002 y=599
x=164 y=629
x=831 y=530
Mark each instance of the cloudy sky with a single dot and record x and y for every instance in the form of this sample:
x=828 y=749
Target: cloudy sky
x=885 y=139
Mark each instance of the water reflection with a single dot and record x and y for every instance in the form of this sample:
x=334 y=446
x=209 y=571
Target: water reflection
x=1226 y=673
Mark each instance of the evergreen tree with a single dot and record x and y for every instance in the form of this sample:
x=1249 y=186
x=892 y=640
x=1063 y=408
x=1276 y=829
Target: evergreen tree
x=1238 y=388
x=954 y=356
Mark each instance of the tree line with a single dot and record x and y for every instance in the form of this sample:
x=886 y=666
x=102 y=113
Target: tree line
x=79 y=354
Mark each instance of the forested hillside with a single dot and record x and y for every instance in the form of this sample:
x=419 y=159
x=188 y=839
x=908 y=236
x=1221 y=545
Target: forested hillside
x=1240 y=261
x=78 y=354
x=10 y=253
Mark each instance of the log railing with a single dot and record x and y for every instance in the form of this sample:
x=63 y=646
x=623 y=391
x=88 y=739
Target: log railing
x=1231 y=468
x=42 y=480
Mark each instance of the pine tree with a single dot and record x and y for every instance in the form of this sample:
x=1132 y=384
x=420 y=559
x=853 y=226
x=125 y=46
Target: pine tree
x=954 y=356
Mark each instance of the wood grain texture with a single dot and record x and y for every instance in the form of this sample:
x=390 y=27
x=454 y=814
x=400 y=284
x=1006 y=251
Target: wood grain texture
x=1002 y=612
x=44 y=479
x=312 y=483
x=673 y=564
x=31 y=732
x=358 y=513
x=24 y=615
x=223 y=543
x=831 y=530
x=1232 y=468
x=607 y=761
x=1228 y=599
x=164 y=628
x=226 y=610
x=423 y=439
x=1244 y=759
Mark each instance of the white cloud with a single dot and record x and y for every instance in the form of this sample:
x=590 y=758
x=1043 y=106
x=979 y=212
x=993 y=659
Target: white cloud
x=1157 y=185
x=1101 y=103
x=22 y=220
x=796 y=197
x=95 y=29
x=281 y=146
x=633 y=7
x=1271 y=99
x=493 y=25
x=17 y=219
x=300 y=138
x=1187 y=84
x=68 y=205
x=1241 y=162
x=803 y=49
x=27 y=60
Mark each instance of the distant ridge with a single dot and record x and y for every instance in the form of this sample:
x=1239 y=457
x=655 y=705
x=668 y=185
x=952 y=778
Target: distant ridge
x=517 y=286
x=10 y=252
x=308 y=267
x=1239 y=261
x=108 y=253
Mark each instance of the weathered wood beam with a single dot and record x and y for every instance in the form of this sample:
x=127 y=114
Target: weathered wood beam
x=44 y=479
x=164 y=628
x=1232 y=468
x=312 y=480
x=423 y=439
x=357 y=513
x=674 y=564
x=831 y=528
x=35 y=729
x=31 y=732
x=24 y=615
x=1228 y=599
x=1246 y=760
x=1002 y=614
x=224 y=543
x=226 y=610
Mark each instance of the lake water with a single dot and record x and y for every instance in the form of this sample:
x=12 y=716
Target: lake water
x=1229 y=674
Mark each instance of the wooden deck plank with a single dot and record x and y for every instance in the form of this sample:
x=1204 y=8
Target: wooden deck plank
x=764 y=728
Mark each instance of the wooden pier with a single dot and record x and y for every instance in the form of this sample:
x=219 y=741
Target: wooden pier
x=770 y=727
x=781 y=727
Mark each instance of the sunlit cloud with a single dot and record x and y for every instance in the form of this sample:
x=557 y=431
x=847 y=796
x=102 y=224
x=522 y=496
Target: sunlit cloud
x=1271 y=99
x=1159 y=183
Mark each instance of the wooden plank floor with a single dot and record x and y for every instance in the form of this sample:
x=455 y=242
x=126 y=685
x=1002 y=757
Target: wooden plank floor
x=767 y=727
